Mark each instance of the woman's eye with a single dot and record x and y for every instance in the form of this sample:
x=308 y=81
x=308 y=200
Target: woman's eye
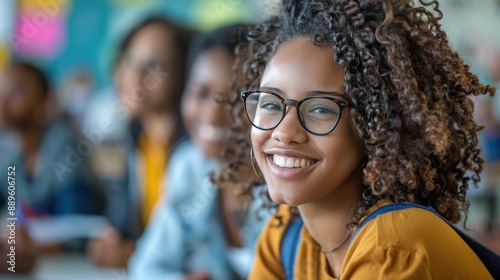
x=202 y=94
x=273 y=106
x=322 y=111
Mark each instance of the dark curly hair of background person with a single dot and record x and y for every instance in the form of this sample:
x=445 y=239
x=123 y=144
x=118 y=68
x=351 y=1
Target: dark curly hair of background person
x=409 y=92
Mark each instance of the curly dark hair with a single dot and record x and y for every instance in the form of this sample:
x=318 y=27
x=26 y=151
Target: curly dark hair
x=409 y=92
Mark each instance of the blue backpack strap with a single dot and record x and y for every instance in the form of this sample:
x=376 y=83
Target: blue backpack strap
x=290 y=245
x=489 y=258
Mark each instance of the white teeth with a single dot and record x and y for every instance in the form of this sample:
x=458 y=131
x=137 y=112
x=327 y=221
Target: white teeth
x=281 y=161
x=289 y=162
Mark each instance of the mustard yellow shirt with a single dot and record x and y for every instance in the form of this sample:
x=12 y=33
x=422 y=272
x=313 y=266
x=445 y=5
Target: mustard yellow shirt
x=155 y=159
x=407 y=244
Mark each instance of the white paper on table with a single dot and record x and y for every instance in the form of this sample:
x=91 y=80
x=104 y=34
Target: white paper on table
x=62 y=228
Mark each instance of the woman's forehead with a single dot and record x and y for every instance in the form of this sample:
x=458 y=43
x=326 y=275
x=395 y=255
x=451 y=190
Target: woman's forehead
x=301 y=66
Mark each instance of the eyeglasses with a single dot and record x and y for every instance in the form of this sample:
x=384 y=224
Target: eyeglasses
x=318 y=115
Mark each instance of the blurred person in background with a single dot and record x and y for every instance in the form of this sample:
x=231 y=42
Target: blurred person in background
x=5 y=134
x=149 y=77
x=74 y=96
x=199 y=231
x=51 y=175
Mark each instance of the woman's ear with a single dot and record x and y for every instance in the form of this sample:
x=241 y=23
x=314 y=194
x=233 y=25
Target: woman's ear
x=358 y=130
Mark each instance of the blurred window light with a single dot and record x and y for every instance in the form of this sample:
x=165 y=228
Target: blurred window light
x=6 y=18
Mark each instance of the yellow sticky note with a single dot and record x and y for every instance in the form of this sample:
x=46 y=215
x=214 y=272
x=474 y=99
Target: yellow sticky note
x=51 y=8
x=4 y=55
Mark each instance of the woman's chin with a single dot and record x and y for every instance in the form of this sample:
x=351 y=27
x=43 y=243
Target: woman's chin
x=289 y=199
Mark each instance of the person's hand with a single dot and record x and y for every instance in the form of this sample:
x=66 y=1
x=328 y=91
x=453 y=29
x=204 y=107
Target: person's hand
x=20 y=260
x=198 y=275
x=110 y=249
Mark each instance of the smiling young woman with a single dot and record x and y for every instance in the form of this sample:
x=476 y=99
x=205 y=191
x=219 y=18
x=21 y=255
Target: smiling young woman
x=332 y=170
x=355 y=105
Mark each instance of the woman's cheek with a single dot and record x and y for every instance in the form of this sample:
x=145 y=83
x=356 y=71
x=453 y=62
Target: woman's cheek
x=258 y=138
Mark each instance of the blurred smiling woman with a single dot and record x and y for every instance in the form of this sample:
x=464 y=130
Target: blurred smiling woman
x=200 y=231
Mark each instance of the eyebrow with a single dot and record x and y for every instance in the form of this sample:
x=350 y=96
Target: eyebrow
x=311 y=93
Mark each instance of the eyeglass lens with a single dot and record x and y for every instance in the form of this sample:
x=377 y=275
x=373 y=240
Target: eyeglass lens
x=317 y=114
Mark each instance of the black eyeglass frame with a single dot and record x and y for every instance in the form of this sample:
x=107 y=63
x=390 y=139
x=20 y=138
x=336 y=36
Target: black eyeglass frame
x=291 y=102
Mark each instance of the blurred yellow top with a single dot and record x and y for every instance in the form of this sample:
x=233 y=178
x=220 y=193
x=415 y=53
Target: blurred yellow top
x=155 y=157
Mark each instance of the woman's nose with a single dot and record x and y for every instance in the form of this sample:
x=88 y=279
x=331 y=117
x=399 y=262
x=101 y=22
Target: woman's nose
x=290 y=130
